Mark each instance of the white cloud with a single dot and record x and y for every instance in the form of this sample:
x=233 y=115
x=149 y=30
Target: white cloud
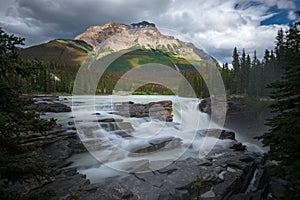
x=220 y=25
x=292 y=15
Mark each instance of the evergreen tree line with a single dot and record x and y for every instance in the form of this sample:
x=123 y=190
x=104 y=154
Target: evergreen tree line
x=283 y=138
x=250 y=76
x=47 y=77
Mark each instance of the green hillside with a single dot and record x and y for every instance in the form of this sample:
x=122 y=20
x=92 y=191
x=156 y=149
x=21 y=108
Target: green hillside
x=65 y=57
x=144 y=56
x=69 y=52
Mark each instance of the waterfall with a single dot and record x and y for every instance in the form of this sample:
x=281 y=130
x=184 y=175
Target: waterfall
x=114 y=151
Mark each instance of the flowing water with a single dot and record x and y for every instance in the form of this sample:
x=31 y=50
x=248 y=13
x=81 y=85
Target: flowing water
x=110 y=154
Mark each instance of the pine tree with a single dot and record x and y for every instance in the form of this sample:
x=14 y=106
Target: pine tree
x=17 y=162
x=280 y=46
x=225 y=73
x=283 y=137
x=247 y=75
x=236 y=72
x=244 y=79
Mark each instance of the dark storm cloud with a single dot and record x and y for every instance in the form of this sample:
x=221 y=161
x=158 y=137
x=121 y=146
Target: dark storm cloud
x=43 y=19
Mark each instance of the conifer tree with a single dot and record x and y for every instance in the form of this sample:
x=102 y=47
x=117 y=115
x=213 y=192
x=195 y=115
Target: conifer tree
x=235 y=87
x=284 y=137
x=17 y=162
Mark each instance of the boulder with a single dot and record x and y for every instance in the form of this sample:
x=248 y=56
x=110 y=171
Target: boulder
x=155 y=145
x=205 y=105
x=55 y=107
x=238 y=147
x=161 y=110
x=218 y=133
x=117 y=126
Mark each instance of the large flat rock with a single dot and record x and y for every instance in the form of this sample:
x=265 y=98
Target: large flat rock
x=161 y=110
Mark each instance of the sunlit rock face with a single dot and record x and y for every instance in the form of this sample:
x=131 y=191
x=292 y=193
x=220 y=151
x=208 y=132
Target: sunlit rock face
x=114 y=37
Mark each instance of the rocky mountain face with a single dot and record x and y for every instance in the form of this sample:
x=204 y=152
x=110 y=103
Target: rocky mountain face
x=97 y=34
x=114 y=37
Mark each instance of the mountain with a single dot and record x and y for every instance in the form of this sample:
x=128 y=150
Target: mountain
x=113 y=37
x=147 y=43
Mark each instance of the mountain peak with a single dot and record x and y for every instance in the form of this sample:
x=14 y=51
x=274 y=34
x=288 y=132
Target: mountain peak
x=114 y=37
x=143 y=24
x=94 y=35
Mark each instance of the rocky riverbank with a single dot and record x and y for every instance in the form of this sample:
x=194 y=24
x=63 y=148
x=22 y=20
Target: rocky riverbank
x=233 y=173
x=230 y=173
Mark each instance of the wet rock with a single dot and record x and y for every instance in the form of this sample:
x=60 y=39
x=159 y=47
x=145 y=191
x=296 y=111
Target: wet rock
x=156 y=181
x=135 y=166
x=218 y=133
x=101 y=191
x=205 y=105
x=182 y=178
x=76 y=145
x=208 y=194
x=55 y=107
x=238 y=147
x=94 y=144
x=96 y=113
x=117 y=126
x=56 y=152
x=71 y=123
x=110 y=120
x=155 y=145
x=161 y=110
x=239 y=197
x=121 y=133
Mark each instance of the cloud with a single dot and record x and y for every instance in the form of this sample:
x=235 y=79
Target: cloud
x=292 y=15
x=40 y=20
x=216 y=25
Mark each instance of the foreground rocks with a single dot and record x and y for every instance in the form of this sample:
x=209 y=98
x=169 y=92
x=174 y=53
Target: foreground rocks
x=49 y=104
x=222 y=176
x=226 y=174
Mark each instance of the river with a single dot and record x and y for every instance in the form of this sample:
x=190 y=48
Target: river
x=112 y=157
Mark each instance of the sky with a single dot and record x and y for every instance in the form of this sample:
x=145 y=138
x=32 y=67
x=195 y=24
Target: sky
x=217 y=26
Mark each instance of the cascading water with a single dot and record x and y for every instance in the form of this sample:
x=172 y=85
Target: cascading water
x=113 y=151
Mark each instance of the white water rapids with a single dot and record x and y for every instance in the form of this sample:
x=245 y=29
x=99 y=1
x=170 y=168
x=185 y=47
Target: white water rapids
x=113 y=158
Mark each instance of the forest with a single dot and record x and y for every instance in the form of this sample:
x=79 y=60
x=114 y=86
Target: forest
x=248 y=76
